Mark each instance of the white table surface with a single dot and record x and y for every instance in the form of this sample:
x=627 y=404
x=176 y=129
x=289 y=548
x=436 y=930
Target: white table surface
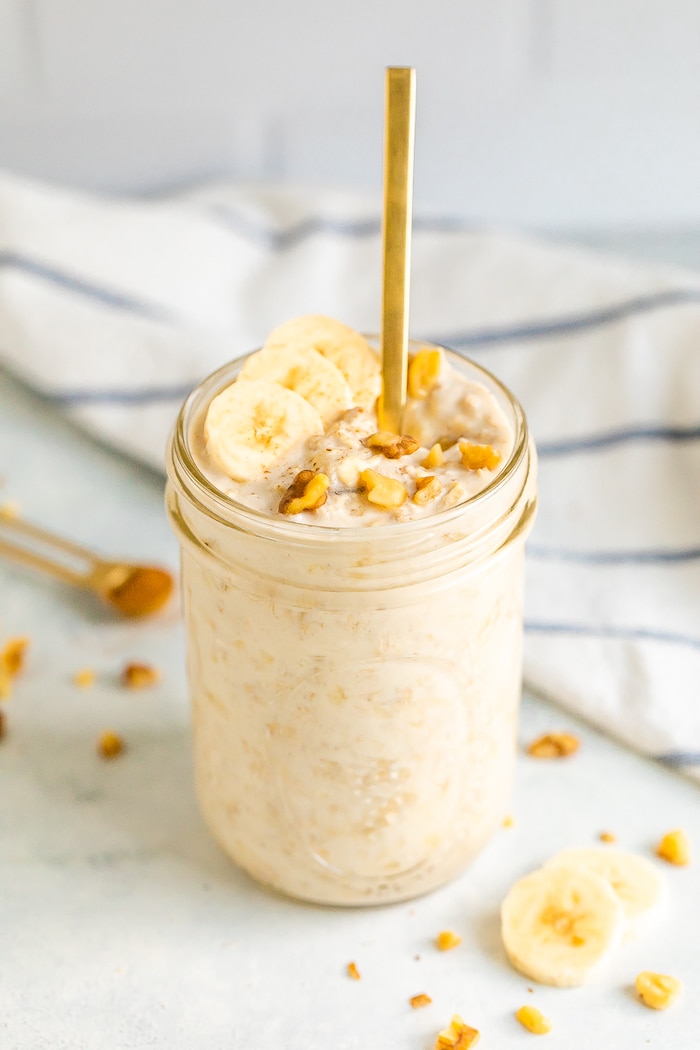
x=122 y=925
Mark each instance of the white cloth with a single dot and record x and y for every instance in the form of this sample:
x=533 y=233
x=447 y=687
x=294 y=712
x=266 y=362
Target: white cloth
x=114 y=309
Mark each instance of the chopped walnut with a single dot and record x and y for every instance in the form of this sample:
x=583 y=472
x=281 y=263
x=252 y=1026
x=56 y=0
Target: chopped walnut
x=435 y=457
x=427 y=489
x=447 y=939
x=458 y=1036
x=607 y=836
x=354 y=972
x=424 y=372
x=382 y=491
x=479 y=457
x=307 y=492
x=532 y=1019
x=9 y=510
x=553 y=745
x=675 y=848
x=139 y=676
x=110 y=744
x=84 y=677
x=658 y=991
x=11 y=663
x=417 y=1001
x=392 y=446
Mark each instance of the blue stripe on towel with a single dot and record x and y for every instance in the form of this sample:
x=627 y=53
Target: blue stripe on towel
x=78 y=286
x=646 y=557
x=583 y=322
x=613 y=438
x=623 y=634
x=123 y=397
x=677 y=759
x=283 y=239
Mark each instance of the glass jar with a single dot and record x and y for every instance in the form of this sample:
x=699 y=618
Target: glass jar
x=354 y=690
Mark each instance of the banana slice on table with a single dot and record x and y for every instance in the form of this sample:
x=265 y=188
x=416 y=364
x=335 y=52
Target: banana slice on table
x=634 y=879
x=347 y=349
x=560 y=923
x=251 y=425
x=307 y=373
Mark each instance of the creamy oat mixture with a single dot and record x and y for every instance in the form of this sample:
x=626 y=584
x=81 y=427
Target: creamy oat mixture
x=354 y=693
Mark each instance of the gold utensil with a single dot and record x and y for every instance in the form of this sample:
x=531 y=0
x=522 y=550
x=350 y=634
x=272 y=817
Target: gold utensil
x=399 y=124
x=133 y=590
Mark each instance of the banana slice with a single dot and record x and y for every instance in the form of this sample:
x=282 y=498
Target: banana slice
x=307 y=373
x=560 y=923
x=346 y=348
x=635 y=880
x=251 y=425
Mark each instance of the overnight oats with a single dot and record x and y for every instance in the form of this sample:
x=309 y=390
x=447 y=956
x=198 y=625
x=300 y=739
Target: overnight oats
x=353 y=604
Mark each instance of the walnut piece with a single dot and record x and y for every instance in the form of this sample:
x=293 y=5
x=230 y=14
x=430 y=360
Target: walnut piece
x=392 y=446
x=139 y=676
x=427 y=489
x=532 y=1019
x=675 y=848
x=479 y=457
x=658 y=991
x=424 y=372
x=307 y=492
x=110 y=744
x=435 y=457
x=382 y=491
x=458 y=1036
x=447 y=939
x=607 y=836
x=553 y=745
x=12 y=657
x=354 y=972
x=417 y=1001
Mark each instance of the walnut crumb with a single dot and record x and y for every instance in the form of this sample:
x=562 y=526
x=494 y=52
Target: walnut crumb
x=307 y=492
x=417 y=1001
x=84 y=677
x=674 y=848
x=110 y=744
x=554 y=745
x=447 y=939
x=12 y=657
x=533 y=1019
x=457 y=1036
x=354 y=972
x=392 y=446
x=139 y=676
x=435 y=457
x=607 y=836
x=658 y=991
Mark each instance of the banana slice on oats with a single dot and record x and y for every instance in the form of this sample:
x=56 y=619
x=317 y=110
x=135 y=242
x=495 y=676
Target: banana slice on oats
x=307 y=373
x=634 y=879
x=251 y=425
x=343 y=346
x=561 y=923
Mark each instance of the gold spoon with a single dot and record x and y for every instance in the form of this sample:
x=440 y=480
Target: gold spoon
x=133 y=590
x=399 y=124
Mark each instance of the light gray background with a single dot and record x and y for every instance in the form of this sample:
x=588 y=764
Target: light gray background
x=555 y=114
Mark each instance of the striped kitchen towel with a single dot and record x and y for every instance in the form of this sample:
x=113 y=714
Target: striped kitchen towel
x=114 y=309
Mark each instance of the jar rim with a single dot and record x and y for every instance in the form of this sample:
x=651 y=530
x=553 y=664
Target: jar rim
x=183 y=463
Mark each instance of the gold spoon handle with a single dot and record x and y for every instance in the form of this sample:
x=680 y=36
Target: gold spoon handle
x=399 y=127
x=26 y=553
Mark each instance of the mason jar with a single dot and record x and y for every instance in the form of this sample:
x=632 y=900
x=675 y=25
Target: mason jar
x=354 y=690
